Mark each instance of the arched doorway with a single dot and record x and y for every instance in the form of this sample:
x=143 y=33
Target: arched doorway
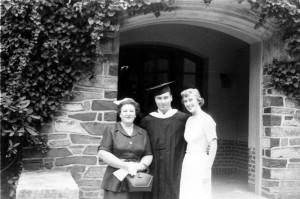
x=143 y=66
x=222 y=38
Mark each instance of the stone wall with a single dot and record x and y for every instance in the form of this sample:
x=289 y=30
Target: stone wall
x=281 y=145
x=76 y=131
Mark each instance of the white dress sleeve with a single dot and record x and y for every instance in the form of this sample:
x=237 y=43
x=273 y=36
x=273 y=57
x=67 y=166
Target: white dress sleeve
x=209 y=128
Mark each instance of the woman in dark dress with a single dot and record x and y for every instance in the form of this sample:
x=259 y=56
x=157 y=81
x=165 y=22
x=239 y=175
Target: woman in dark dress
x=126 y=149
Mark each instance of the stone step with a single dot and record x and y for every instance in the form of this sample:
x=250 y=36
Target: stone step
x=47 y=184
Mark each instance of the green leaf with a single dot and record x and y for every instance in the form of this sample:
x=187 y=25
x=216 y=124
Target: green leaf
x=91 y=21
x=31 y=130
x=35 y=117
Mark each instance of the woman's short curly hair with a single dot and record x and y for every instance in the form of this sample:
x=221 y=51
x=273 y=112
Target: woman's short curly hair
x=195 y=92
x=129 y=101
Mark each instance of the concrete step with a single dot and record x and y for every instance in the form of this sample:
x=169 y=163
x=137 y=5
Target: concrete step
x=45 y=184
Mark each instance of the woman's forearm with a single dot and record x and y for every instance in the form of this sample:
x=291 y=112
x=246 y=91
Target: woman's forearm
x=112 y=160
x=212 y=151
x=146 y=160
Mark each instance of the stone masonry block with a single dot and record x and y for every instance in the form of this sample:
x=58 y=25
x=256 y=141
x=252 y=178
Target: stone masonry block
x=91 y=150
x=285 y=174
x=290 y=184
x=282 y=131
x=84 y=116
x=295 y=160
x=110 y=94
x=76 y=149
x=266 y=173
x=59 y=143
x=295 y=141
x=291 y=196
x=95 y=128
x=34 y=164
x=113 y=70
x=110 y=82
x=32 y=153
x=95 y=172
x=85 y=160
x=81 y=96
x=292 y=122
x=271 y=120
x=292 y=103
x=84 y=139
x=270 y=183
x=265 y=142
x=72 y=107
x=98 y=68
x=287 y=152
x=57 y=136
x=274 y=163
x=89 y=183
x=87 y=106
x=102 y=105
x=277 y=110
x=99 y=117
x=274 y=142
x=272 y=101
x=100 y=82
x=294 y=166
x=76 y=171
x=297 y=115
x=59 y=152
x=110 y=116
x=46 y=185
x=284 y=141
x=67 y=125
x=88 y=89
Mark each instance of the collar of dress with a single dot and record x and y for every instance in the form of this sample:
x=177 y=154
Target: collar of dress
x=168 y=114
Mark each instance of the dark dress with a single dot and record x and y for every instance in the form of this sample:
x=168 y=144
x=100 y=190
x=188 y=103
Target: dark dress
x=168 y=147
x=132 y=148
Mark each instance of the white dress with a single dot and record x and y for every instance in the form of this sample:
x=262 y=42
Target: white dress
x=196 y=173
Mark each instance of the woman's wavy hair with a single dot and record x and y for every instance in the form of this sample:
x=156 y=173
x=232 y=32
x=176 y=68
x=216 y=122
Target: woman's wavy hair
x=195 y=92
x=129 y=101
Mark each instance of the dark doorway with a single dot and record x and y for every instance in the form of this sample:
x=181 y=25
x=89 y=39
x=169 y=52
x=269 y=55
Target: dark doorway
x=144 y=66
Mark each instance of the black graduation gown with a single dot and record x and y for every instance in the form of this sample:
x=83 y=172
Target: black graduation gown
x=168 y=148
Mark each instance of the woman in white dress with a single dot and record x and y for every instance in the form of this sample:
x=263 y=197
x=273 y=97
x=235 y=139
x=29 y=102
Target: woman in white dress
x=200 y=133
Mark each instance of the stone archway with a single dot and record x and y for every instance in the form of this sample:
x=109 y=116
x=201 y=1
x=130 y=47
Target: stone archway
x=221 y=18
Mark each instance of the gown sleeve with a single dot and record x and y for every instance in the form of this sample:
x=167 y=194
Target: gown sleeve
x=147 y=145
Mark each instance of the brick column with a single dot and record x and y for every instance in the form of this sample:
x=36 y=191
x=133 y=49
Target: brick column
x=281 y=145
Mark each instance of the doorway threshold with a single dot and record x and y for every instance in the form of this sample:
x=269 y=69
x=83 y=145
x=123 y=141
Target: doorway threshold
x=231 y=187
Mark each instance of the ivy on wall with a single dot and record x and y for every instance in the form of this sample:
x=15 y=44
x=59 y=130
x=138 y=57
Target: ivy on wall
x=45 y=46
x=285 y=74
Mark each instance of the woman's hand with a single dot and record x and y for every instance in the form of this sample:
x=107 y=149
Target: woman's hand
x=132 y=168
x=141 y=166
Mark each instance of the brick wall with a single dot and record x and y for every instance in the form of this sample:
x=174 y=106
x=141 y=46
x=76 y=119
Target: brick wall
x=281 y=145
x=76 y=131
x=251 y=169
x=232 y=157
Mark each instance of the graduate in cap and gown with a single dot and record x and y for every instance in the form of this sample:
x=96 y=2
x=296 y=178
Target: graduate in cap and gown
x=165 y=128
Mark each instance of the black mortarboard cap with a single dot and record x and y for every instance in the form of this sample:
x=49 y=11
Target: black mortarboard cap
x=160 y=89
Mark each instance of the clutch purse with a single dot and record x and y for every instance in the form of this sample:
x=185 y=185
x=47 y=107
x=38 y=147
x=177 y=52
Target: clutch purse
x=139 y=182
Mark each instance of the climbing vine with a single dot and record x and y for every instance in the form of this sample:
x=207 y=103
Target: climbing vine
x=45 y=46
x=285 y=74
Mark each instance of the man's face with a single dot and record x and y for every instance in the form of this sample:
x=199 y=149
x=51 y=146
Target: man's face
x=163 y=102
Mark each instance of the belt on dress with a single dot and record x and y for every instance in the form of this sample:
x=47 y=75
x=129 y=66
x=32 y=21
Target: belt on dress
x=130 y=160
